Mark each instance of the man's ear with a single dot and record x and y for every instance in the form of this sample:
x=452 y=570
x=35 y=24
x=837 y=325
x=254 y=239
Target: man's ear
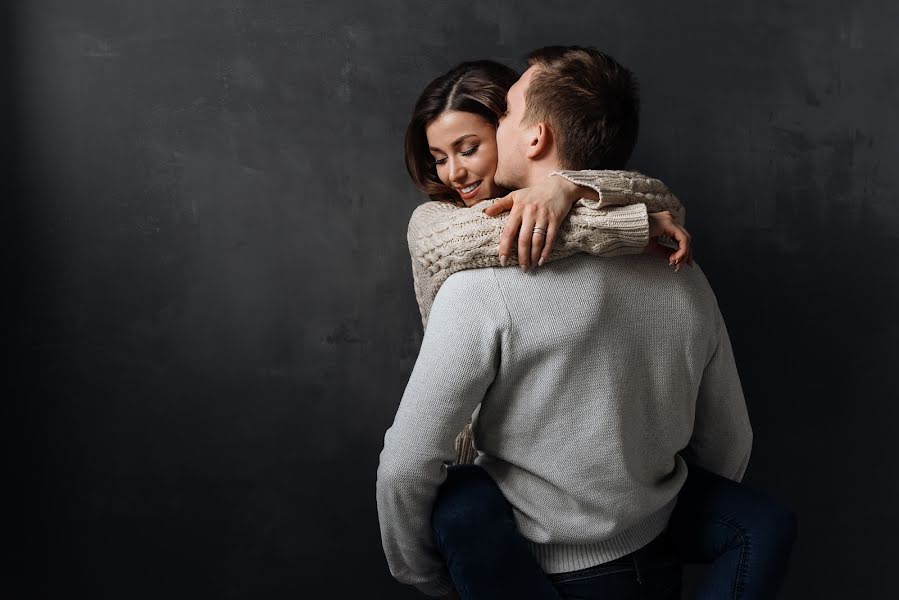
x=540 y=142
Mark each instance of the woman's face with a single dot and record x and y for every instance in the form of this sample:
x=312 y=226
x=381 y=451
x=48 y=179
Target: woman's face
x=463 y=145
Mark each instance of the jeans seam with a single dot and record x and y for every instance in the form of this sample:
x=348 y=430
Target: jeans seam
x=599 y=573
x=741 y=566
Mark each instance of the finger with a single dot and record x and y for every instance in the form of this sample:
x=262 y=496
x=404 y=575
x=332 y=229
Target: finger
x=551 y=230
x=500 y=206
x=538 y=239
x=683 y=249
x=525 y=237
x=688 y=250
x=508 y=236
x=682 y=238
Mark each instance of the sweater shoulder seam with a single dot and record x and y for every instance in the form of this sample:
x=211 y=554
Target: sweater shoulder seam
x=505 y=302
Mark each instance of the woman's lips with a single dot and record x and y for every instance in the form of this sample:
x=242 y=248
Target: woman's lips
x=472 y=193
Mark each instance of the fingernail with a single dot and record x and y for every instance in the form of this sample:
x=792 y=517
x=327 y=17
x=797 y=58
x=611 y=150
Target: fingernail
x=503 y=259
x=540 y=262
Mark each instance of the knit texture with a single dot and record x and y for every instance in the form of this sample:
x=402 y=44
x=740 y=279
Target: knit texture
x=445 y=239
x=596 y=377
x=620 y=188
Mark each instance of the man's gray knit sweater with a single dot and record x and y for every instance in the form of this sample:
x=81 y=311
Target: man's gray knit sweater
x=597 y=377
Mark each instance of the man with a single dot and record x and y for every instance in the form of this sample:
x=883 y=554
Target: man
x=594 y=375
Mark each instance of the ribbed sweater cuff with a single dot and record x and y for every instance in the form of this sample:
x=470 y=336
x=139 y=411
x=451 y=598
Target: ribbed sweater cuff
x=615 y=188
x=587 y=179
x=438 y=587
x=629 y=225
x=561 y=558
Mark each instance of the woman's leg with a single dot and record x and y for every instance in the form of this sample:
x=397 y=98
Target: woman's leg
x=475 y=531
x=745 y=535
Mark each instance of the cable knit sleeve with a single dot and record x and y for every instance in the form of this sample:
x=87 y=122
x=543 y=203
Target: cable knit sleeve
x=619 y=188
x=444 y=239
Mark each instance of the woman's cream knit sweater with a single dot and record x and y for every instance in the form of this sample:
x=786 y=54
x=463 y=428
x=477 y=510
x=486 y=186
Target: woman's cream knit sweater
x=444 y=238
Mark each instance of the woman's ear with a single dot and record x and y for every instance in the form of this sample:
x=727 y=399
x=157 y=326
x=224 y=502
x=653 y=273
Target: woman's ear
x=540 y=141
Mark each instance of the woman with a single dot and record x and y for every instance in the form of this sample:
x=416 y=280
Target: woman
x=451 y=155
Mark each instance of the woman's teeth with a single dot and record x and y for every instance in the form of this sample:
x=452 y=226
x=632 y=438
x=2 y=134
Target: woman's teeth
x=470 y=188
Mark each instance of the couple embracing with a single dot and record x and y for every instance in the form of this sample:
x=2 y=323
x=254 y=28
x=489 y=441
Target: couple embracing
x=610 y=433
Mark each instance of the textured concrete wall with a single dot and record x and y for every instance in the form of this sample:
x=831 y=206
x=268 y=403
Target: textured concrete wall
x=212 y=309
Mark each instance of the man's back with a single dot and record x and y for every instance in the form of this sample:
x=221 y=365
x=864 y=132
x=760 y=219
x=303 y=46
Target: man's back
x=592 y=375
x=601 y=364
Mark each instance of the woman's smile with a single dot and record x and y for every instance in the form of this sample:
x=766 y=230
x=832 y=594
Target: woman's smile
x=470 y=191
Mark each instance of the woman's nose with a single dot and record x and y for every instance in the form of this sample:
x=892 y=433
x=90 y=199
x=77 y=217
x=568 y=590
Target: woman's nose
x=457 y=171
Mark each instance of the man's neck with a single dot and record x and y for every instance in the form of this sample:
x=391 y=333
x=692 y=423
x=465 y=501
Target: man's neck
x=540 y=171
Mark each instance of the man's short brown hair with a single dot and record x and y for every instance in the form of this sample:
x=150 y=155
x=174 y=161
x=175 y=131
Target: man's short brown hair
x=591 y=103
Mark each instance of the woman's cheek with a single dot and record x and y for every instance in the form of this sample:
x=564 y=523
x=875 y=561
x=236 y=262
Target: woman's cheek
x=441 y=175
x=493 y=159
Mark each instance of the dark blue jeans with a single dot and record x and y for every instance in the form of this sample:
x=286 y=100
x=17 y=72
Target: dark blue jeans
x=744 y=535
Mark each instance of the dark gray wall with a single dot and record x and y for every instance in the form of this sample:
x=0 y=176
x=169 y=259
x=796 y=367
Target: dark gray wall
x=210 y=296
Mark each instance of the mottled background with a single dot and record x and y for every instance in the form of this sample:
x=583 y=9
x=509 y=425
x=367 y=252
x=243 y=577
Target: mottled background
x=209 y=299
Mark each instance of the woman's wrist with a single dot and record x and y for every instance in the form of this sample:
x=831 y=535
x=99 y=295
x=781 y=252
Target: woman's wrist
x=572 y=191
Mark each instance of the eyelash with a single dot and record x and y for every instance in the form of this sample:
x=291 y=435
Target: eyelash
x=468 y=152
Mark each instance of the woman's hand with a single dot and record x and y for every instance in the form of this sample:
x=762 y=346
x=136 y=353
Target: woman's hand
x=663 y=224
x=544 y=206
x=536 y=213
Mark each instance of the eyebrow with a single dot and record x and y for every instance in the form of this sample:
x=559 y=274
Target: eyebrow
x=455 y=141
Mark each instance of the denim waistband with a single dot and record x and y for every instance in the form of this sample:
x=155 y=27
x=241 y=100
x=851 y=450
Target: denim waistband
x=654 y=554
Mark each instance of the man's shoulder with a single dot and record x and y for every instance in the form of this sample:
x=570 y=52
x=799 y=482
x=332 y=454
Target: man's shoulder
x=470 y=287
x=473 y=293
x=648 y=278
x=467 y=279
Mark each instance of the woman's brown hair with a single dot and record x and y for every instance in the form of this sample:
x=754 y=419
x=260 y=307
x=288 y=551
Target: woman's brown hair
x=477 y=87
